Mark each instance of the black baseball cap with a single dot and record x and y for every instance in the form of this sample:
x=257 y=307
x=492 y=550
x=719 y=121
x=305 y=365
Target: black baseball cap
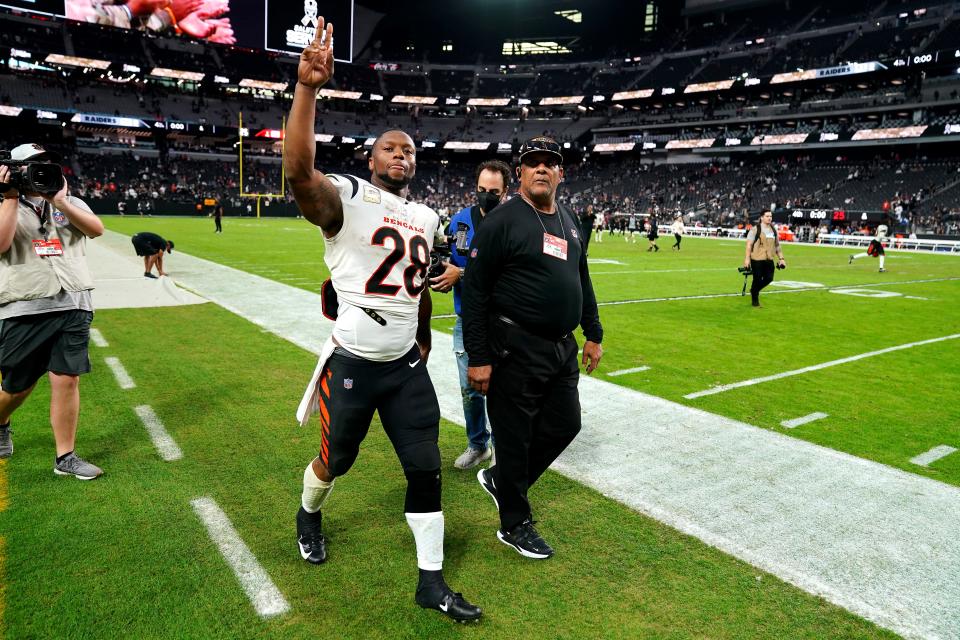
x=541 y=144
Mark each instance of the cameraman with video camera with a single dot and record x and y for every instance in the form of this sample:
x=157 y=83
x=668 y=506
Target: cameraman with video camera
x=493 y=180
x=45 y=302
x=763 y=247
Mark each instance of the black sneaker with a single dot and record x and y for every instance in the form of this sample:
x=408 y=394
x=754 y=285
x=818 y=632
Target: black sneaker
x=312 y=543
x=440 y=597
x=525 y=539
x=485 y=478
x=147 y=274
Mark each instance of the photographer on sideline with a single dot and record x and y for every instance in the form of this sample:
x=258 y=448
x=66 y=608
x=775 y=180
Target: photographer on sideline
x=763 y=247
x=45 y=304
x=493 y=181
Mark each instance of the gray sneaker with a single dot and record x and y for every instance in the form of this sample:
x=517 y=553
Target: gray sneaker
x=6 y=443
x=472 y=457
x=77 y=467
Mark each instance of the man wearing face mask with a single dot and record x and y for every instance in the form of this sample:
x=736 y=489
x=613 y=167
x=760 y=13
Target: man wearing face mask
x=527 y=289
x=493 y=180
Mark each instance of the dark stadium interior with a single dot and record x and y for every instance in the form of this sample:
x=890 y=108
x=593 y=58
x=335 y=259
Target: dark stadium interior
x=868 y=138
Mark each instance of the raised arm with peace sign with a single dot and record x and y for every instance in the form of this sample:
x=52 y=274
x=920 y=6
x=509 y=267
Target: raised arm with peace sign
x=316 y=196
x=316 y=61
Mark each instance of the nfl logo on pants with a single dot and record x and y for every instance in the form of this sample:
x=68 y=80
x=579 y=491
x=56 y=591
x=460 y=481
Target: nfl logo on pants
x=348 y=383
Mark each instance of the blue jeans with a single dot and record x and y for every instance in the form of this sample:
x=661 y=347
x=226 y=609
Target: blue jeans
x=474 y=404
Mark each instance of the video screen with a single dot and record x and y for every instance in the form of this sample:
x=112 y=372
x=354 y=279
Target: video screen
x=278 y=25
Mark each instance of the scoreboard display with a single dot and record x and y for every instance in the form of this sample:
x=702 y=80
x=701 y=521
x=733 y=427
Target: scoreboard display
x=285 y=26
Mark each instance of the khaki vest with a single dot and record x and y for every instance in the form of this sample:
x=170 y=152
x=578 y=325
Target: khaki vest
x=26 y=276
x=765 y=248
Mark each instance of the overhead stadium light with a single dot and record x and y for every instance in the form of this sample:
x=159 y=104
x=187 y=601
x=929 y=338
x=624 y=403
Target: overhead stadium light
x=176 y=74
x=456 y=145
x=73 y=61
x=632 y=95
x=263 y=84
x=414 y=99
x=560 y=100
x=346 y=95
x=610 y=147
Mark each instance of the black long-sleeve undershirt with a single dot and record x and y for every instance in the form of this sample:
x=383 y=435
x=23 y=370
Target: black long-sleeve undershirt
x=509 y=274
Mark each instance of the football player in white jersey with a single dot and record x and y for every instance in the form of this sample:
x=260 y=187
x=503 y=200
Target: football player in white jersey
x=378 y=250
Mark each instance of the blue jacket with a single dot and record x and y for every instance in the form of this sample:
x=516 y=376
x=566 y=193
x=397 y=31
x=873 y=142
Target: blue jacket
x=460 y=230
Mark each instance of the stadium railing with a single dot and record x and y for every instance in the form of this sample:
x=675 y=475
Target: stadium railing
x=944 y=246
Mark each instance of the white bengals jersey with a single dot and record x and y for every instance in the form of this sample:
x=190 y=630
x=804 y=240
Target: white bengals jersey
x=378 y=261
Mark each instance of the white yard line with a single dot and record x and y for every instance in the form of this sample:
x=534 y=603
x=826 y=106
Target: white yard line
x=623 y=372
x=730 y=484
x=796 y=422
x=98 y=338
x=940 y=451
x=768 y=292
x=816 y=367
x=166 y=446
x=266 y=599
x=123 y=378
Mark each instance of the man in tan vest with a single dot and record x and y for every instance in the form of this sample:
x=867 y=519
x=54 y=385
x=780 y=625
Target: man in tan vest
x=763 y=248
x=45 y=305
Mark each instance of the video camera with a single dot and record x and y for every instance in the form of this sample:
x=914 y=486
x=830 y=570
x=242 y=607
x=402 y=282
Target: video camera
x=745 y=271
x=438 y=255
x=37 y=176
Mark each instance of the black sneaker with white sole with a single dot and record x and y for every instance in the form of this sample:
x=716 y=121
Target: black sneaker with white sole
x=526 y=541
x=485 y=478
x=311 y=543
x=440 y=597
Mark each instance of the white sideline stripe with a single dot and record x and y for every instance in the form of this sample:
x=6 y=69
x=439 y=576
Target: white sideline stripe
x=165 y=444
x=123 y=378
x=264 y=595
x=940 y=451
x=730 y=484
x=623 y=372
x=816 y=367
x=98 y=338
x=796 y=422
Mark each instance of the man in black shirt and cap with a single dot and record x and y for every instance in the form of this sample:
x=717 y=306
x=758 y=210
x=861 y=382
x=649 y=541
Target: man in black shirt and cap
x=151 y=247
x=527 y=288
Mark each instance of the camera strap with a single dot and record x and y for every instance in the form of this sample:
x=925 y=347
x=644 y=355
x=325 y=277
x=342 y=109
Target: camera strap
x=41 y=213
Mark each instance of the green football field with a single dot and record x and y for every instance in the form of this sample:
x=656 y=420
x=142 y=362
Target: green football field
x=126 y=557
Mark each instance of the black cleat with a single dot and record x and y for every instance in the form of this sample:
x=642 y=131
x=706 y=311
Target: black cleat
x=440 y=597
x=485 y=478
x=526 y=541
x=312 y=543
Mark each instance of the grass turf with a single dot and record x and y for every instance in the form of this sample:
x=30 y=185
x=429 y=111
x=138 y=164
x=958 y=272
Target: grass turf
x=888 y=408
x=124 y=556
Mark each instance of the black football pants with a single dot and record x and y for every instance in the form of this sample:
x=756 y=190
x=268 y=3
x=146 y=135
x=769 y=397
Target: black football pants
x=762 y=276
x=534 y=410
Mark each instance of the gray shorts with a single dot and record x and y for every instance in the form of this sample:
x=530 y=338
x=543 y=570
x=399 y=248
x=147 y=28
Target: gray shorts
x=32 y=345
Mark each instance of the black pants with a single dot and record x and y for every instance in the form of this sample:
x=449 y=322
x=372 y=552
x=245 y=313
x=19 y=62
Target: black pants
x=762 y=276
x=679 y=238
x=32 y=345
x=219 y=228
x=534 y=410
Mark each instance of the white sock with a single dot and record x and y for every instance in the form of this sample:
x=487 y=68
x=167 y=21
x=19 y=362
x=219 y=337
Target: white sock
x=881 y=261
x=428 y=534
x=315 y=490
x=857 y=256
